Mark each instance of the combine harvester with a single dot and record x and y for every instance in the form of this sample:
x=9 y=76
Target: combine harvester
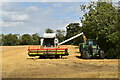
x=50 y=46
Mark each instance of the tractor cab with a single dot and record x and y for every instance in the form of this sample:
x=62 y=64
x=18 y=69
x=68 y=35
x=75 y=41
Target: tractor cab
x=91 y=42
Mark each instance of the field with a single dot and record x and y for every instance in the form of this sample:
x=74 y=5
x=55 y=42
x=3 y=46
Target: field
x=17 y=64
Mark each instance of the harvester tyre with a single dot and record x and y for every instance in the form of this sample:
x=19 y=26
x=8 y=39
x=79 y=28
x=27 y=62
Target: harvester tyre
x=42 y=57
x=57 y=56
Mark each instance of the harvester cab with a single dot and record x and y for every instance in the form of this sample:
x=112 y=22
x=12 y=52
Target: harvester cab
x=49 y=40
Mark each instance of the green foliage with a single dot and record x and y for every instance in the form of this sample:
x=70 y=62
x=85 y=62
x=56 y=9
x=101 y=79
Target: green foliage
x=72 y=30
x=10 y=40
x=1 y=39
x=101 y=22
x=48 y=30
x=26 y=39
x=36 y=39
x=16 y=39
x=60 y=34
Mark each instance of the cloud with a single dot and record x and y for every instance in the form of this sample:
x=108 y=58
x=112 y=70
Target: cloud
x=14 y=16
x=1 y=22
x=11 y=24
x=54 y=0
x=32 y=8
x=22 y=17
x=57 y=5
x=36 y=17
x=46 y=0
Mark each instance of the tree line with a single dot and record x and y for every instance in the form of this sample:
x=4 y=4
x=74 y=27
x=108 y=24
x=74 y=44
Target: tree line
x=17 y=39
x=27 y=39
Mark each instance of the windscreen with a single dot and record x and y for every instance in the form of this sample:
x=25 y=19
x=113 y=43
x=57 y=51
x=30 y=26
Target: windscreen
x=92 y=42
x=48 y=42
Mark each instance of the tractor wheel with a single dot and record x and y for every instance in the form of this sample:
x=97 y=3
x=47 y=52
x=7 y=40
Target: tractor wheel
x=80 y=49
x=102 y=54
x=87 y=55
x=83 y=54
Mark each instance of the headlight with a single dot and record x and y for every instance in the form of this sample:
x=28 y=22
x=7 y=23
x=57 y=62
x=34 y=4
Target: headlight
x=94 y=50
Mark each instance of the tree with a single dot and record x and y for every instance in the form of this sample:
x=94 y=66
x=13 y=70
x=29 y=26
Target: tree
x=1 y=39
x=60 y=34
x=10 y=39
x=101 y=22
x=26 y=39
x=48 y=30
x=72 y=30
x=36 y=39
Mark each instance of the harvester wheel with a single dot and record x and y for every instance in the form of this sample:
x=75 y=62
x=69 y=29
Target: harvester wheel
x=102 y=54
x=57 y=56
x=42 y=57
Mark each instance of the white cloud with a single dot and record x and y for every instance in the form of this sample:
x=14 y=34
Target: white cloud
x=0 y=13
x=32 y=8
x=10 y=16
x=11 y=24
x=22 y=17
x=53 y=0
x=35 y=19
x=1 y=22
x=38 y=11
x=46 y=0
x=57 y=5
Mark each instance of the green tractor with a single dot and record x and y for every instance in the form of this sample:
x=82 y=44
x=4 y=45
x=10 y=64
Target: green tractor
x=90 y=49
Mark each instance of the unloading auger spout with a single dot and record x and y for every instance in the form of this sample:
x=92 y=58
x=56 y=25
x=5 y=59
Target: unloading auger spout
x=73 y=38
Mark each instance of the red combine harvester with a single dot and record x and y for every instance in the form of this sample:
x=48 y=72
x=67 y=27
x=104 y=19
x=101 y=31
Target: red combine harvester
x=50 y=46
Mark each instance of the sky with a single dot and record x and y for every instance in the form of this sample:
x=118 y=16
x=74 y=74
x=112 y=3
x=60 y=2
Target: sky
x=35 y=17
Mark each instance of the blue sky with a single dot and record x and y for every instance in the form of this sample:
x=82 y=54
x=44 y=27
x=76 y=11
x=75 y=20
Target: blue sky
x=35 y=17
